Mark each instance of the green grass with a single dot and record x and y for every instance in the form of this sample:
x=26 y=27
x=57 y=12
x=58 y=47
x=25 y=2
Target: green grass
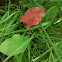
x=46 y=43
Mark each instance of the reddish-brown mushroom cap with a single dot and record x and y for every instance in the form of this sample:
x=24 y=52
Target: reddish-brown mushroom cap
x=32 y=16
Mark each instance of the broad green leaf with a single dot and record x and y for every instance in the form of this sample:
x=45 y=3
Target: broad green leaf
x=61 y=8
x=50 y=14
x=14 y=45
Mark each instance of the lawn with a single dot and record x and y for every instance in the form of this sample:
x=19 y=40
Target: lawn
x=23 y=40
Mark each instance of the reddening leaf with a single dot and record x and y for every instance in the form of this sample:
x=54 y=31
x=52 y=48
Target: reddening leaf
x=32 y=16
